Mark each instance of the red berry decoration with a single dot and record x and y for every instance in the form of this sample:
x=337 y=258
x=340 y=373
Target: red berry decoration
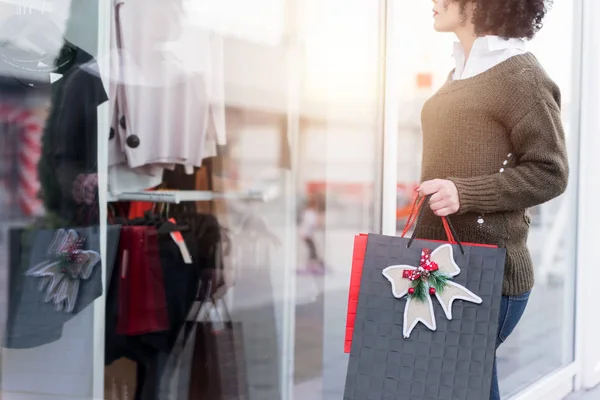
x=411 y=290
x=431 y=290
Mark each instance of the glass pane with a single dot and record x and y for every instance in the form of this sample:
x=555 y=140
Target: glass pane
x=50 y=268
x=543 y=340
x=338 y=152
x=215 y=158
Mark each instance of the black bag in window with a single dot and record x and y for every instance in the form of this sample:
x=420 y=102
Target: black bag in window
x=218 y=365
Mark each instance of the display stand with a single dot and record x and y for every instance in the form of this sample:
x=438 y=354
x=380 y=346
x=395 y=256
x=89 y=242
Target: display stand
x=178 y=196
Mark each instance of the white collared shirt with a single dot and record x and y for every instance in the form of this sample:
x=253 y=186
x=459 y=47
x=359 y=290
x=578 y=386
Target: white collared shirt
x=487 y=52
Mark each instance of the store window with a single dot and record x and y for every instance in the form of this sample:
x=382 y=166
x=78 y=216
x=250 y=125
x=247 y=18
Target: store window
x=544 y=340
x=339 y=160
x=181 y=183
x=47 y=307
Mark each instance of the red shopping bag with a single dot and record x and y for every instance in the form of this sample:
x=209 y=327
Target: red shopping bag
x=358 y=258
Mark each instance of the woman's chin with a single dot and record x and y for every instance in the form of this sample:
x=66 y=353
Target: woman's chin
x=440 y=28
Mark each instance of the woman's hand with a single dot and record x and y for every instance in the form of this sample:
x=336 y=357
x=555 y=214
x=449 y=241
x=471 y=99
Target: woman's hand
x=444 y=200
x=85 y=189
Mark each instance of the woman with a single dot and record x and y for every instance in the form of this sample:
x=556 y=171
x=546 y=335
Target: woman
x=308 y=227
x=493 y=141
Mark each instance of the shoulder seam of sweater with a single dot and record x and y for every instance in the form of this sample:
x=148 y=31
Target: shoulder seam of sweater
x=537 y=98
x=526 y=113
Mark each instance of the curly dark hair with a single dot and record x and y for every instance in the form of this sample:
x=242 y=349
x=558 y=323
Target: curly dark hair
x=507 y=18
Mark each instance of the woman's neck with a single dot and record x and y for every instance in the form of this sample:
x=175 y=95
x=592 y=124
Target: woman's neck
x=466 y=37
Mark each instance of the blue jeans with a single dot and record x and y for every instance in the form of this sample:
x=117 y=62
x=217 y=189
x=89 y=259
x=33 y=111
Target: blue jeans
x=511 y=310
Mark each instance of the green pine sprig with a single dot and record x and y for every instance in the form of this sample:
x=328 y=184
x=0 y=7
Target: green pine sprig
x=438 y=281
x=421 y=291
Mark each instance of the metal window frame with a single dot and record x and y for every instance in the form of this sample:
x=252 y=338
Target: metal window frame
x=588 y=219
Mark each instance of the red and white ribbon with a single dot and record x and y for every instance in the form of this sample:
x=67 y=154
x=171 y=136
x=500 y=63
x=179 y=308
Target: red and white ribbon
x=426 y=266
x=29 y=154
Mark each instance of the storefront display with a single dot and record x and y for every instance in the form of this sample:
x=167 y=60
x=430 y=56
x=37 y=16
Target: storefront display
x=181 y=183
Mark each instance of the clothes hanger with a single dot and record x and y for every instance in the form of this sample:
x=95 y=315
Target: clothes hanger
x=162 y=224
x=148 y=219
x=168 y=226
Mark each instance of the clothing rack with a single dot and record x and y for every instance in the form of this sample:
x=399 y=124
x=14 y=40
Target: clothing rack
x=177 y=196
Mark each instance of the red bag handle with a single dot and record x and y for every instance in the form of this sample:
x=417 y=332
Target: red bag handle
x=414 y=211
x=415 y=215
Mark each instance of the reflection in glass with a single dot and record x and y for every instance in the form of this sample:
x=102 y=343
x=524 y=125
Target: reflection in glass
x=50 y=244
x=180 y=195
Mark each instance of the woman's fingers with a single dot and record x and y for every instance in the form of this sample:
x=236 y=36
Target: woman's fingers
x=436 y=198
x=444 y=212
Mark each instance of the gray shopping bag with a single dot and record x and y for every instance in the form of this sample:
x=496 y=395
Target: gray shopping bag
x=452 y=362
x=37 y=313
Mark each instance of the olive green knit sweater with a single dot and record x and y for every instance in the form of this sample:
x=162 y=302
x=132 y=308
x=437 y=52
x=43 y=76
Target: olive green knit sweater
x=498 y=136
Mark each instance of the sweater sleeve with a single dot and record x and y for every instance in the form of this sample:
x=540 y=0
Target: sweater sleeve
x=541 y=172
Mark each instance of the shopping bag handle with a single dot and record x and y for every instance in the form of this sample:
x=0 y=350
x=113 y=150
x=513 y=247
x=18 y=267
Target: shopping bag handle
x=416 y=213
